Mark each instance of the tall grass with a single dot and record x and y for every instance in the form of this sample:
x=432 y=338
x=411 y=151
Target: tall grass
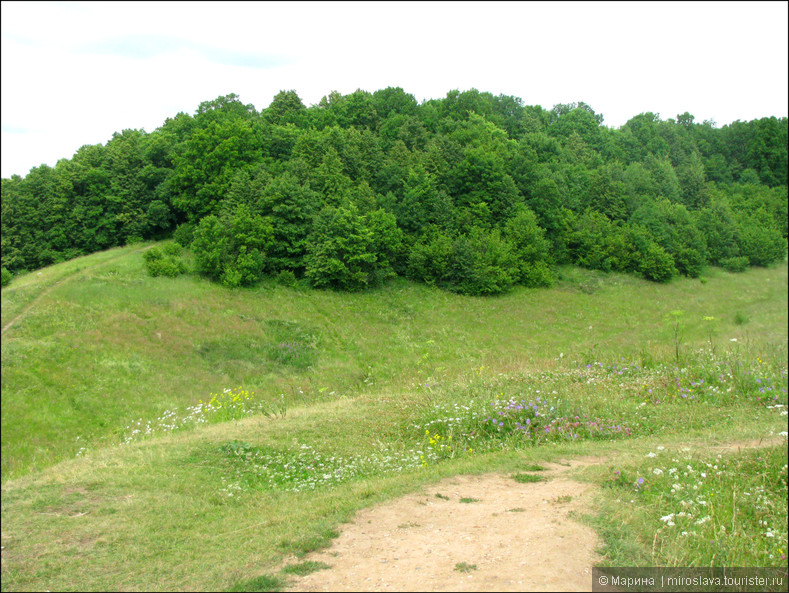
x=204 y=435
x=114 y=345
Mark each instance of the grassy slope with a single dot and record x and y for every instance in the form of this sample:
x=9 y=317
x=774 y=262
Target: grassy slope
x=106 y=345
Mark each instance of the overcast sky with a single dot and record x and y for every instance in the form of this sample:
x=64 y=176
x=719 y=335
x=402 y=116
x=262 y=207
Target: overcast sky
x=74 y=73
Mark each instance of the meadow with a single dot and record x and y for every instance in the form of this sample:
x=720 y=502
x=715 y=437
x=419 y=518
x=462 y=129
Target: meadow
x=173 y=434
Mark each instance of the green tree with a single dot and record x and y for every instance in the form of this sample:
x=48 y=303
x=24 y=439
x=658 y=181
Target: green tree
x=673 y=228
x=227 y=136
x=692 y=182
x=286 y=108
x=232 y=248
x=530 y=248
x=759 y=239
x=719 y=228
x=343 y=252
x=483 y=263
x=291 y=207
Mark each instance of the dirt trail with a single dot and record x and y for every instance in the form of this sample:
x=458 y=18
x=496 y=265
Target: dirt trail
x=519 y=536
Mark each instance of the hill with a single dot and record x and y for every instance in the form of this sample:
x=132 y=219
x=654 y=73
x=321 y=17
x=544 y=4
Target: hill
x=162 y=434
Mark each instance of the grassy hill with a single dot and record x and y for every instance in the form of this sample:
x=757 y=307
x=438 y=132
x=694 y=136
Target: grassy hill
x=173 y=434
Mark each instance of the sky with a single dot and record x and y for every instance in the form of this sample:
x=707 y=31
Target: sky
x=73 y=73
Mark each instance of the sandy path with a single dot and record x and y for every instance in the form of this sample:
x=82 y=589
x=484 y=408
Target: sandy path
x=519 y=536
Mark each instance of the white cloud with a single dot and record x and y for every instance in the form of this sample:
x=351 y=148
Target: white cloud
x=723 y=61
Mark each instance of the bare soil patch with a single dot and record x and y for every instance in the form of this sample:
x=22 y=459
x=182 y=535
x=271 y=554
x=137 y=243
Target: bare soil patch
x=507 y=536
x=513 y=537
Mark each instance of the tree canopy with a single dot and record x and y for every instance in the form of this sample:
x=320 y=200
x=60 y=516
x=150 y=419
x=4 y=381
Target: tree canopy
x=473 y=192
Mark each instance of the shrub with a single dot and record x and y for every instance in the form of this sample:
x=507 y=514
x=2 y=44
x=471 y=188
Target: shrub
x=719 y=228
x=173 y=249
x=287 y=278
x=430 y=259
x=760 y=240
x=530 y=248
x=735 y=264
x=536 y=274
x=161 y=261
x=483 y=264
x=184 y=234
x=338 y=254
x=689 y=262
x=656 y=264
x=480 y=263
x=5 y=277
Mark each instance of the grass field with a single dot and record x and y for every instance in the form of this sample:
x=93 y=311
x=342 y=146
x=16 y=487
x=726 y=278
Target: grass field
x=202 y=435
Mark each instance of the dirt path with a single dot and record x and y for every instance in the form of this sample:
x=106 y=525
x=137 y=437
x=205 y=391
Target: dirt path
x=519 y=537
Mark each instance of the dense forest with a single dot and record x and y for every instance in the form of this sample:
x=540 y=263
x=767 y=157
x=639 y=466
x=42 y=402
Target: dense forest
x=473 y=193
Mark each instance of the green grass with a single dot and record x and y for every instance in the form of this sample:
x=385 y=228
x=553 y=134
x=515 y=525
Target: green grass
x=465 y=567
x=532 y=467
x=305 y=568
x=261 y=583
x=205 y=435
x=527 y=478
x=693 y=507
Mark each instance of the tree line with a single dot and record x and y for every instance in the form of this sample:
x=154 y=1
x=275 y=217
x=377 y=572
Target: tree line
x=472 y=192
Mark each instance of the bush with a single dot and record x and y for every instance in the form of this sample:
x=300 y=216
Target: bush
x=656 y=264
x=5 y=277
x=480 y=263
x=173 y=249
x=184 y=234
x=530 y=248
x=287 y=278
x=538 y=274
x=161 y=261
x=430 y=259
x=735 y=264
x=483 y=264
x=689 y=262
x=760 y=240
